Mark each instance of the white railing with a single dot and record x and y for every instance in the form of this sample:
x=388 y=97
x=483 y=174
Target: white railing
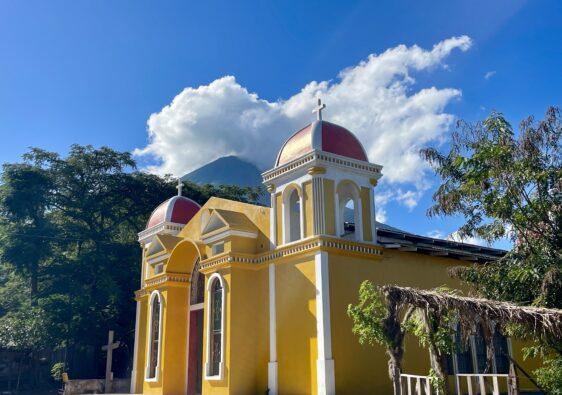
x=412 y=384
x=481 y=384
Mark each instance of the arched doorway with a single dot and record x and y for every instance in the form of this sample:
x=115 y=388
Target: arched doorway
x=195 y=359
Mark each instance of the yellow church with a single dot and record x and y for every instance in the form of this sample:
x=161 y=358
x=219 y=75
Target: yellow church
x=243 y=299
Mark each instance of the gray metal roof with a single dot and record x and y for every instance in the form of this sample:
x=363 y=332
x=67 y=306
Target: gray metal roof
x=394 y=238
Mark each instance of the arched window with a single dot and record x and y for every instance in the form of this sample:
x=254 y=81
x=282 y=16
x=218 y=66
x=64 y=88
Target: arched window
x=214 y=368
x=292 y=215
x=348 y=206
x=153 y=368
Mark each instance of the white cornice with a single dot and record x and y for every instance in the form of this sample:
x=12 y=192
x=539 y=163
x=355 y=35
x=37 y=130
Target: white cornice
x=158 y=259
x=228 y=232
x=325 y=159
x=172 y=228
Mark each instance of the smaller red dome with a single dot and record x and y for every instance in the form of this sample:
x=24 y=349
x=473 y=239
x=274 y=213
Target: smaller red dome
x=178 y=209
x=322 y=136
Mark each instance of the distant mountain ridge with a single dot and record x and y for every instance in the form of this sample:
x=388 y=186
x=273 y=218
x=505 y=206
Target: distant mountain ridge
x=228 y=170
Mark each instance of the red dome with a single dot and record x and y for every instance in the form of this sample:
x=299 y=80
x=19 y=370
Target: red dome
x=322 y=136
x=178 y=210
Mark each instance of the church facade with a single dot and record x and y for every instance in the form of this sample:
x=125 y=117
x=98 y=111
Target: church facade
x=244 y=299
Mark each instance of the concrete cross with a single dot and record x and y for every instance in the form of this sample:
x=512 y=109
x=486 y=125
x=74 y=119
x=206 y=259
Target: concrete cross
x=109 y=347
x=180 y=186
x=318 y=110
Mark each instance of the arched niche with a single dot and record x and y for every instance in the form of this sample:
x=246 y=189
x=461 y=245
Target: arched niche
x=183 y=257
x=293 y=213
x=348 y=204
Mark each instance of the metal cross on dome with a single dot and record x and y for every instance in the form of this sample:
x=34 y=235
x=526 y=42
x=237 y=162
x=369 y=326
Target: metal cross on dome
x=318 y=109
x=180 y=186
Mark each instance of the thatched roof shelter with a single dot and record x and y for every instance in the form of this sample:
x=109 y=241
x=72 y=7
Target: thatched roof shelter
x=470 y=313
x=540 y=322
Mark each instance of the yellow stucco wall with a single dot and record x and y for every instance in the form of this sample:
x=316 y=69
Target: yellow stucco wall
x=296 y=326
x=249 y=331
x=173 y=349
x=363 y=369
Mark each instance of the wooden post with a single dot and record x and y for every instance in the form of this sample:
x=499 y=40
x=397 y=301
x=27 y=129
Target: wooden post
x=109 y=347
x=512 y=381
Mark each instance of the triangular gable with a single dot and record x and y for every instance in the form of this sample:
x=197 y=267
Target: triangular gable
x=237 y=220
x=155 y=247
x=162 y=243
x=214 y=223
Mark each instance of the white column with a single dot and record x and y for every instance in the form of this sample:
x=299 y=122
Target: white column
x=301 y=215
x=325 y=363
x=373 y=215
x=318 y=214
x=135 y=352
x=273 y=222
x=272 y=365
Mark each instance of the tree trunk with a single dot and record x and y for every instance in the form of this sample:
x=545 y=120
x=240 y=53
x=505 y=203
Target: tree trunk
x=434 y=355
x=489 y=342
x=394 y=373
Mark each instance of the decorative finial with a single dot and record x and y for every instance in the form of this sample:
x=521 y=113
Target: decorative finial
x=318 y=110
x=180 y=186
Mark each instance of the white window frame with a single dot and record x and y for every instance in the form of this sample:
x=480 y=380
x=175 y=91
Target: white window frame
x=156 y=378
x=215 y=277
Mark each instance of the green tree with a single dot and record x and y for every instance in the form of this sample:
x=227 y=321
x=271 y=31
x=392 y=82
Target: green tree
x=508 y=184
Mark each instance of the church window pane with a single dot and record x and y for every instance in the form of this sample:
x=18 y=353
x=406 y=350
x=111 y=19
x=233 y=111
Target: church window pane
x=154 y=337
x=215 y=327
x=500 y=353
x=218 y=248
x=481 y=359
x=463 y=351
x=197 y=290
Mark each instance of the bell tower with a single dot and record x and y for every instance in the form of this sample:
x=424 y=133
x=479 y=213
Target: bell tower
x=322 y=184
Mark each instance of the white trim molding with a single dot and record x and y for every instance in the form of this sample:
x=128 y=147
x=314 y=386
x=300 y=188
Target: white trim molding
x=157 y=259
x=325 y=363
x=227 y=233
x=156 y=378
x=215 y=277
x=272 y=366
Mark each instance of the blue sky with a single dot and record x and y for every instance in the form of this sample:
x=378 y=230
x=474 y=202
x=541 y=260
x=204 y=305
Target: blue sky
x=93 y=72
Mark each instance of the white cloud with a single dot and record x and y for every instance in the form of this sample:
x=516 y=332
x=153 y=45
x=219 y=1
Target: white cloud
x=383 y=197
x=436 y=234
x=380 y=215
x=409 y=198
x=467 y=240
x=489 y=74
x=374 y=99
